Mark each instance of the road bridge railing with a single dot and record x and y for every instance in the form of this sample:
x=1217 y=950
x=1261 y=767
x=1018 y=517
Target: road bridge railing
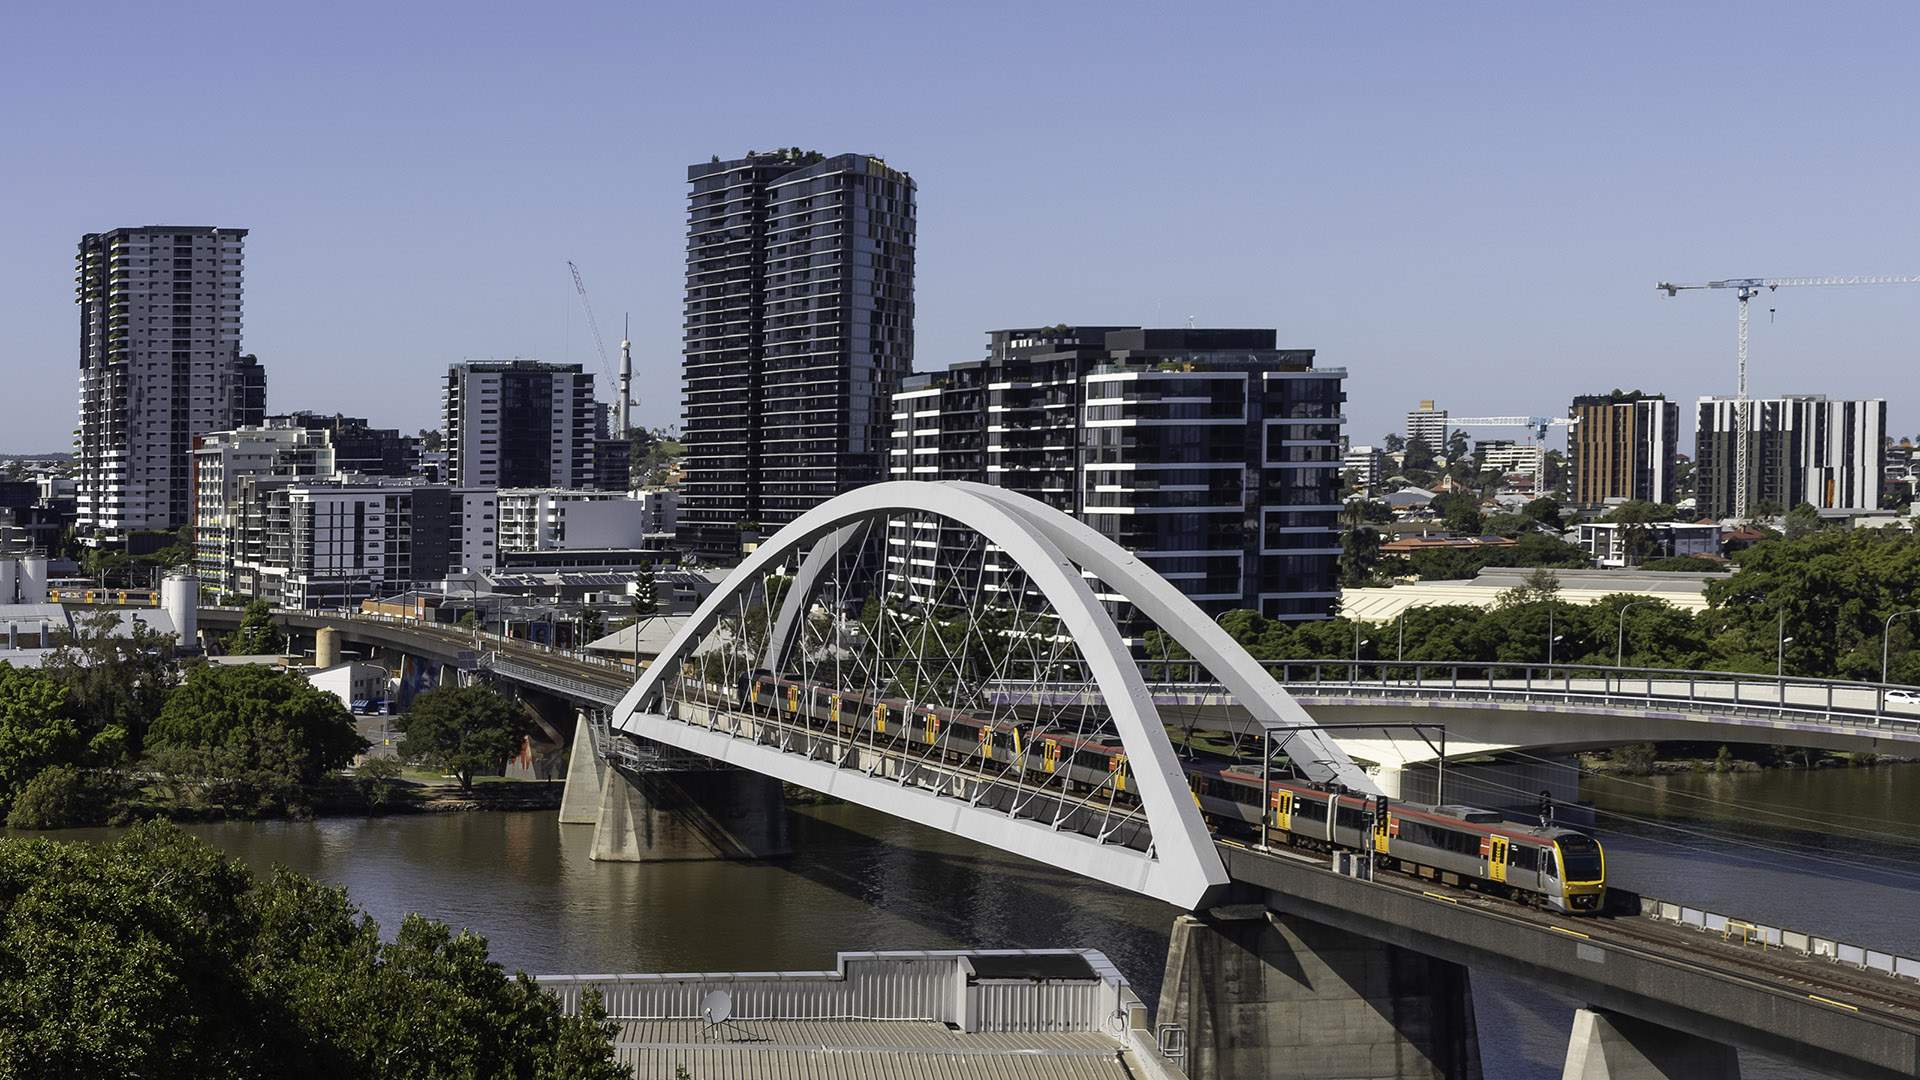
x=1836 y=701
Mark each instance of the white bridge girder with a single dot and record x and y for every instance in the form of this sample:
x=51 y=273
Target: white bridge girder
x=1052 y=550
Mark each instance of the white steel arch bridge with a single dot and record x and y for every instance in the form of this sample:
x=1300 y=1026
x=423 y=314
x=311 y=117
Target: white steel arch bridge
x=825 y=664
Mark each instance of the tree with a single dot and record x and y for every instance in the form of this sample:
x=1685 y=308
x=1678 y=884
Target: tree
x=35 y=729
x=1395 y=442
x=117 y=677
x=1457 y=446
x=262 y=732
x=1359 y=555
x=257 y=635
x=1419 y=456
x=1460 y=513
x=466 y=731
x=1546 y=511
x=1801 y=520
x=156 y=956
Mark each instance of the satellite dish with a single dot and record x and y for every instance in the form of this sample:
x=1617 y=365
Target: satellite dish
x=717 y=1006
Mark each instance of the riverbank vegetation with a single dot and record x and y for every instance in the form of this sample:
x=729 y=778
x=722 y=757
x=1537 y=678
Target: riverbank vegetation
x=111 y=731
x=157 y=956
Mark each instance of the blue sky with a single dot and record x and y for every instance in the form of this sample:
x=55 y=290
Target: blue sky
x=1469 y=203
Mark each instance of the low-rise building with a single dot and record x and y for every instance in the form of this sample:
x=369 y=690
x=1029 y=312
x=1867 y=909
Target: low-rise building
x=1686 y=591
x=1612 y=544
x=557 y=519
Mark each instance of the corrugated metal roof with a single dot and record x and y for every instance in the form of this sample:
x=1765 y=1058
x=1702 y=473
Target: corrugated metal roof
x=863 y=1049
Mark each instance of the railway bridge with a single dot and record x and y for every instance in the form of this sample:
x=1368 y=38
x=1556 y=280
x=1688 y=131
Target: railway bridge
x=945 y=653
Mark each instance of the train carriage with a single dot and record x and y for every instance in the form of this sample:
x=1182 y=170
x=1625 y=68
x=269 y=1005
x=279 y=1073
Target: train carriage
x=1560 y=868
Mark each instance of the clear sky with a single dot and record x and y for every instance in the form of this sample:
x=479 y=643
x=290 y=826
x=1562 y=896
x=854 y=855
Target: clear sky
x=1468 y=203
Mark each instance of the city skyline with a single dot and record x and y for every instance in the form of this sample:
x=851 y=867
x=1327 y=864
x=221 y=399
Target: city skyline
x=1372 y=185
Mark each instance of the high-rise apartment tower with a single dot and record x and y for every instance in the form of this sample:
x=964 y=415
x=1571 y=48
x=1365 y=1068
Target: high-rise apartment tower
x=799 y=328
x=520 y=424
x=1209 y=453
x=1429 y=425
x=1622 y=446
x=1802 y=449
x=160 y=364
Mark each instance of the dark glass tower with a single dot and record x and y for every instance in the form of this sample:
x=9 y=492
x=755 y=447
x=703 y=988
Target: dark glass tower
x=799 y=328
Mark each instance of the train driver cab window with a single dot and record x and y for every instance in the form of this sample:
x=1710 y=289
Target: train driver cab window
x=1549 y=863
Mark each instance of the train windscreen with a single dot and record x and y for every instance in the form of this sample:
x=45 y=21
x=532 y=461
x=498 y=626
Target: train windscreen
x=1582 y=856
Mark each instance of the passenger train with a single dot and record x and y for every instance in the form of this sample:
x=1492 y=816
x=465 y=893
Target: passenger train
x=1553 y=867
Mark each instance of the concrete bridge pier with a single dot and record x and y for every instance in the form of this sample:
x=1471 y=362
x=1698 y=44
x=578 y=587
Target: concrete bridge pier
x=1260 y=993
x=661 y=815
x=1609 y=1046
x=586 y=776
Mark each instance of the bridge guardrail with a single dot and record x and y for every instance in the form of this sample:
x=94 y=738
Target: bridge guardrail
x=1775 y=937
x=1882 y=723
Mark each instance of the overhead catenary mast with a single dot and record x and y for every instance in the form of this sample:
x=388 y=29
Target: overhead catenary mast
x=1745 y=289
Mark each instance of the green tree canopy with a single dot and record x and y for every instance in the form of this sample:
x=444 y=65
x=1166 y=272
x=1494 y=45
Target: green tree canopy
x=35 y=728
x=116 y=678
x=467 y=731
x=257 y=635
x=258 y=723
x=156 y=956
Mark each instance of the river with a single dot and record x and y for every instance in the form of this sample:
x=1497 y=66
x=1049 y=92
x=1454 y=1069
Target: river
x=1833 y=851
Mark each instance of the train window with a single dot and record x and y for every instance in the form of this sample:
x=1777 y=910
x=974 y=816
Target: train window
x=1582 y=857
x=1525 y=857
x=1351 y=818
x=1310 y=810
x=1548 y=864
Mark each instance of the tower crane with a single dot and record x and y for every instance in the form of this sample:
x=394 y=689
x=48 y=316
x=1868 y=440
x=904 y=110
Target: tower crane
x=1745 y=289
x=624 y=387
x=1538 y=424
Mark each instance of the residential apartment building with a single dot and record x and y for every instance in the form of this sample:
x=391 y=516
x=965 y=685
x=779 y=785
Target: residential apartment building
x=160 y=364
x=1365 y=465
x=1801 y=449
x=1429 y=425
x=555 y=519
x=1209 y=453
x=661 y=506
x=1622 y=446
x=222 y=460
x=1508 y=457
x=1613 y=545
x=332 y=544
x=358 y=446
x=799 y=327
x=520 y=424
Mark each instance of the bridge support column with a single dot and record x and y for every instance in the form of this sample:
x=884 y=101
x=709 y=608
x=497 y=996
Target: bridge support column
x=1609 y=1046
x=1270 y=995
x=586 y=777
x=693 y=815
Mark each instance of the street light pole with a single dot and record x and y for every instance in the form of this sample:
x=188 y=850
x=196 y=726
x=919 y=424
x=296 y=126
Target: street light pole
x=1781 y=664
x=1886 y=632
x=1620 y=644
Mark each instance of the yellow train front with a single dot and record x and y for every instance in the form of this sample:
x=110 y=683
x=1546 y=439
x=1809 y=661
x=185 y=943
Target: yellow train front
x=1558 y=868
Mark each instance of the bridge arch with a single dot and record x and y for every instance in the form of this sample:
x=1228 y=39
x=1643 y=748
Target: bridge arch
x=1056 y=554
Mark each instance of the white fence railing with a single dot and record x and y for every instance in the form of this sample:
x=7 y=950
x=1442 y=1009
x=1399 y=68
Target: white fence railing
x=1776 y=937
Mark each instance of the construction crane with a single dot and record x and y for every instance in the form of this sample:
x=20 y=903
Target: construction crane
x=1745 y=289
x=624 y=387
x=1538 y=424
